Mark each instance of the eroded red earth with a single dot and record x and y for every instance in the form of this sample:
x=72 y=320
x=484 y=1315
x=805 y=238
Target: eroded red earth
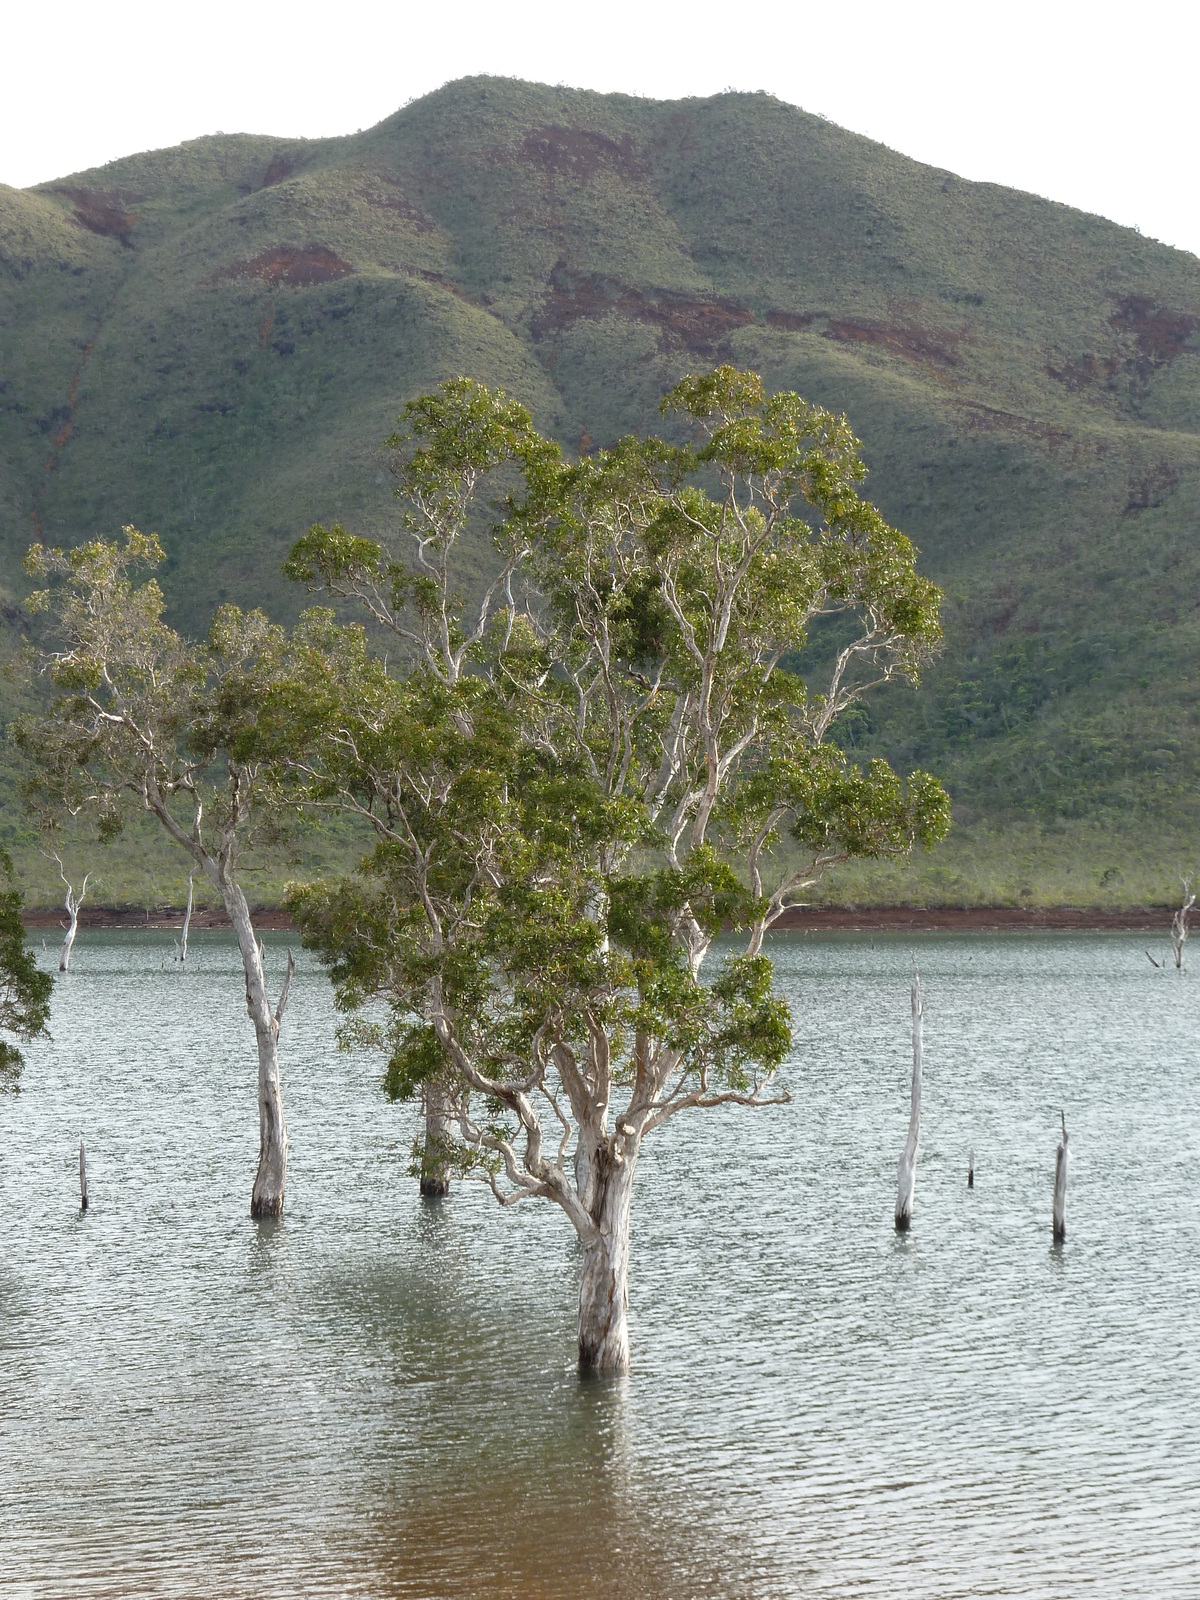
x=287 y=264
x=103 y=211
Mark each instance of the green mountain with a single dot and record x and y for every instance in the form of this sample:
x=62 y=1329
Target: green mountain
x=211 y=341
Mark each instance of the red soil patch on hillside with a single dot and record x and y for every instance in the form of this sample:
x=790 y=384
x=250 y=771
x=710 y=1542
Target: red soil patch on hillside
x=991 y=419
x=696 y=324
x=793 y=321
x=931 y=348
x=427 y=275
x=1160 y=332
x=281 y=166
x=579 y=153
x=103 y=211
x=298 y=268
x=398 y=203
x=1085 y=372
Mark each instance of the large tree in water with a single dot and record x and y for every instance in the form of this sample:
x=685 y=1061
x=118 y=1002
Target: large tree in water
x=638 y=757
x=142 y=717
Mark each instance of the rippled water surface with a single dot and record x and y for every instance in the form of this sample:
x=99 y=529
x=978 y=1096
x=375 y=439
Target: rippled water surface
x=378 y=1396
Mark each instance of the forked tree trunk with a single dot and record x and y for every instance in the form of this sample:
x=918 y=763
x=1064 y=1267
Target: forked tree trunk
x=72 y=903
x=435 y=1171
x=266 y=1200
x=604 y=1286
x=907 y=1176
x=1060 y=1185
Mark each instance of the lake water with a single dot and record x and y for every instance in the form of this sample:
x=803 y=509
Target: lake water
x=378 y=1396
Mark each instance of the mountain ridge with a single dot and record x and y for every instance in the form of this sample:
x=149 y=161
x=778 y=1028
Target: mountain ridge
x=212 y=340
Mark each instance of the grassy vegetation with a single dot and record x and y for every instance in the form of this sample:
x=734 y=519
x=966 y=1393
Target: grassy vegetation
x=212 y=341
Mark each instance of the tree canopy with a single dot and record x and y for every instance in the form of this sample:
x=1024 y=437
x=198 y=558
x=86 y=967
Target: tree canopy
x=620 y=749
x=24 y=990
x=144 y=717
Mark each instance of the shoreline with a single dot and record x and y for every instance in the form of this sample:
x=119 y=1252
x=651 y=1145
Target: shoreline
x=162 y=919
x=856 y=919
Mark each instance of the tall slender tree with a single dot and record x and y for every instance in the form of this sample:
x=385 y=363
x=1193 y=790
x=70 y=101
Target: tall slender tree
x=450 y=449
x=143 y=717
x=639 y=755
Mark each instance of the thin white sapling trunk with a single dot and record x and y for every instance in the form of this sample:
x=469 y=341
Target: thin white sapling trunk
x=187 y=922
x=908 y=1160
x=72 y=903
x=1060 y=1185
x=1179 y=924
x=266 y=1199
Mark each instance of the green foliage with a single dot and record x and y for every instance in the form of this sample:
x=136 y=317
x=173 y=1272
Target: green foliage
x=142 y=720
x=570 y=810
x=24 y=991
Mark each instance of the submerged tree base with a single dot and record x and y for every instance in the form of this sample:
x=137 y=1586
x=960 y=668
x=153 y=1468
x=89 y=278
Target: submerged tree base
x=603 y=1362
x=434 y=1188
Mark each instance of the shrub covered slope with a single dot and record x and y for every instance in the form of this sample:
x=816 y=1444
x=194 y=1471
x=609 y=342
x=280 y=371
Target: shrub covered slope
x=211 y=342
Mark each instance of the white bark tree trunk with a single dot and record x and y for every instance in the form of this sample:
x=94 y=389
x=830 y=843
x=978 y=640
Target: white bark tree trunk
x=64 y=955
x=907 y=1177
x=435 y=1175
x=604 y=1286
x=1179 y=924
x=267 y=1196
x=187 y=922
x=1060 y=1185
x=72 y=903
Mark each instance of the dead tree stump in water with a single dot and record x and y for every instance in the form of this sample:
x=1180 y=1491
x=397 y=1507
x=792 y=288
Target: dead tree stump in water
x=82 y=1179
x=907 y=1176
x=1179 y=924
x=971 y=1170
x=1060 y=1185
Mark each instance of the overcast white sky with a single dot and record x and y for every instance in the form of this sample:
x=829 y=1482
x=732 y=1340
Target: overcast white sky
x=1093 y=104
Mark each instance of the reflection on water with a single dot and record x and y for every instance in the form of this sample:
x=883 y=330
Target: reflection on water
x=378 y=1396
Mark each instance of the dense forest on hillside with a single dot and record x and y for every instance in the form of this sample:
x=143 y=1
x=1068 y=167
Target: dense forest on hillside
x=212 y=342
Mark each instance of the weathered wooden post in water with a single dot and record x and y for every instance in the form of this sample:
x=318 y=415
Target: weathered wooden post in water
x=1060 y=1185
x=908 y=1161
x=971 y=1170
x=82 y=1179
